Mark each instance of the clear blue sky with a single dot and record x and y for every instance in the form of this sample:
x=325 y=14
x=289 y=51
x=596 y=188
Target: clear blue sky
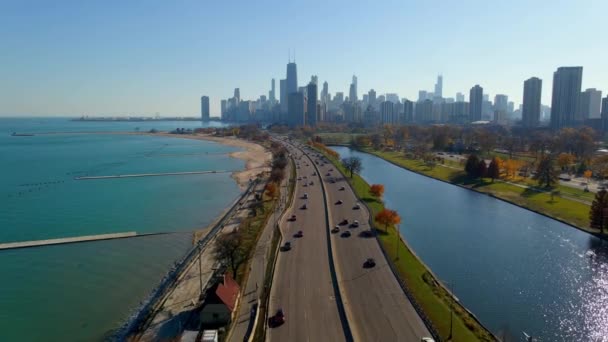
x=143 y=57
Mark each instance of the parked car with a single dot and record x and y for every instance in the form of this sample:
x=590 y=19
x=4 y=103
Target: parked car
x=355 y=224
x=369 y=263
x=345 y=234
x=343 y=222
x=335 y=229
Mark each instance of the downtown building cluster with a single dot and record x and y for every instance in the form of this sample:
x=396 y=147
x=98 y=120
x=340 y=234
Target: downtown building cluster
x=310 y=104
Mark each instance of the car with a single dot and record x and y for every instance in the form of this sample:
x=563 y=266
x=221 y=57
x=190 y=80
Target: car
x=341 y=188
x=305 y=196
x=277 y=319
x=367 y=233
x=330 y=170
x=343 y=222
x=305 y=185
x=286 y=246
x=335 y=229
x=311 y=183
x=369 y=263
x=299 y=234
x=357 y=207
x=427 y=339
x=355 y=224
x=314 y=173
x=332 y=181
x=328 y=174
x=299 y=178
x=345 y=234
x=292 y=218
x=339 y=202
x=304 y=207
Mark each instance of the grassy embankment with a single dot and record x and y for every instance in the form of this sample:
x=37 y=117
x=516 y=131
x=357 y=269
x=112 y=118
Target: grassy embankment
x=564 y=208
x=433 y=298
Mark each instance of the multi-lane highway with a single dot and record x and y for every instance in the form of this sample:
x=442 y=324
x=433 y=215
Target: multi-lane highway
x=302 y=284
x=375 y=306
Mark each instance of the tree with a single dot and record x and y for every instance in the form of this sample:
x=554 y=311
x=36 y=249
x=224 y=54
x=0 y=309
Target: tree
x=511 y=167
x=228 y=250
x=352 y=164
x=587 y=174
x=472 y=165
x=494 y=169
x=377 y=190
x=545 y=172
x=482 y=170
x=564 y=160
x=388 y=217
x=598 y=213
x=271 y=189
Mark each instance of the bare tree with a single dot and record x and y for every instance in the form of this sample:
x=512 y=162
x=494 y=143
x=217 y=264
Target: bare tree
x=228 y=250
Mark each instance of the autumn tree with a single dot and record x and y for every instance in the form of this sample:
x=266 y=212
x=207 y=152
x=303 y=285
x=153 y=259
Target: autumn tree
x=564 y=160
x=599 y=166
x=271 y=189
x=598 y=213
x=494 y=169
x=511 y=167
x=352 y=164
x=587 y=174
x=377 y=190
x=388 y=217
x=228 y=250
x=545 y=172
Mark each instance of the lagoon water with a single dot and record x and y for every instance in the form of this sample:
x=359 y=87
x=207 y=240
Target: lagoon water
x=514 y=269
x=81 y=292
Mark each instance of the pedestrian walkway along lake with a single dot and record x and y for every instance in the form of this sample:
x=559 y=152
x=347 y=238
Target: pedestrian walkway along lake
x=514 y=269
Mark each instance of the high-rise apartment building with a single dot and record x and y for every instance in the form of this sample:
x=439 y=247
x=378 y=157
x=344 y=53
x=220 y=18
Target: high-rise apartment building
x=205 y=108
x=387 y=113
x=605 y=113
x=459 y=97
x=501 y=102
x=371 y=95
x=530 y=115
x=296 y=109
x=408 y=112
x=311 y=105
x=475 y=103
x=590 y=104
x=283 y=95
x=272 y=94
x=565 y=97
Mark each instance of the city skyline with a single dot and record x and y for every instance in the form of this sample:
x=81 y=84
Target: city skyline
x=82 y=59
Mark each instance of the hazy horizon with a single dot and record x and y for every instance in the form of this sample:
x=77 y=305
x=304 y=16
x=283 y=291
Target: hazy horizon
x=113 y=58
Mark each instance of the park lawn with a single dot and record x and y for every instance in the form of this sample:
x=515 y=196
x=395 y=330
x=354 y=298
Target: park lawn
x=564 y=209
x=433 y=298
x=337 y=138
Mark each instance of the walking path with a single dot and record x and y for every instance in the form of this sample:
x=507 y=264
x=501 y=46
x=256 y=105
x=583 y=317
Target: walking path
x=257 y=272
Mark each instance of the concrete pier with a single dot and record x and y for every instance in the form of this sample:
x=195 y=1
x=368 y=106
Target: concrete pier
x=38 y=243
x=151 y=175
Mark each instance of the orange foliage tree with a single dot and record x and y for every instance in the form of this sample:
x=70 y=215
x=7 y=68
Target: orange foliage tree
x=271 y=189
x=377 y=190
x=388 y=217
x=511 y=167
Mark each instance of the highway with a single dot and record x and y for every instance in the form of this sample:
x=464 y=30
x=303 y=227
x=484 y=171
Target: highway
x=302 y=284
x=376 y=307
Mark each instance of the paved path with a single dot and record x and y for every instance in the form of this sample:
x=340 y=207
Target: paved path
x=302 y=284
x=252 y=290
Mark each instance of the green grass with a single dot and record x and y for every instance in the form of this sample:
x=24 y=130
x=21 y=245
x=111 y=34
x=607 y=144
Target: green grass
x=565 y=209
x=433 y=298
x=337 y=138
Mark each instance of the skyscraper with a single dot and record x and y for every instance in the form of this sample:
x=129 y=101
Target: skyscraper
x=567 y=83
x=475 y=99
x=387 y=113
x=353 y=96
x=501 y=102
x=408 y=112
x=605 y=114
x=292 y=78
x=296 y=109
x=223 y=104
x=205 y=108
x=314 y=79
x=371 y=97
x=439 y=86
x=324 y=93
x=590 y=104
x=530 y=116
x=237 y=95
x=272 y=96
x=311 y=106
x=283 y=95
x=459 y=97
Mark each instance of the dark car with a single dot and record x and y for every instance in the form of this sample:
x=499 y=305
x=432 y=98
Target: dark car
x=369 y=263
x=357 y=207
x=276 y=319
x=339 y=202
x=304 y=207
x=355 y=224
x=345 y=234
x=341 y=188
x=328 y=174
x=343 y=222
x=286 y=246
x=299 y=234
x=335 y=229
x=292 y=218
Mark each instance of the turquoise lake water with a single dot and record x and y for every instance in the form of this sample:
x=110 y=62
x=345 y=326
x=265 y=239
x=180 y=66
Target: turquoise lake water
x=81 y=292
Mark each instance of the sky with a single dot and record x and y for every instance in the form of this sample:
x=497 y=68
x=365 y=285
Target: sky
x=72 y=58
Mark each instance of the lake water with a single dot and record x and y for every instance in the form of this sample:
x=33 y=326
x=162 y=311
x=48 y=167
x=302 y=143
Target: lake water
x=81 y=292
x=514 y=269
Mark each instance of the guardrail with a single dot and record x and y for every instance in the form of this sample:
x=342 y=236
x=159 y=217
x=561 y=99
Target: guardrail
x=142 y=316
